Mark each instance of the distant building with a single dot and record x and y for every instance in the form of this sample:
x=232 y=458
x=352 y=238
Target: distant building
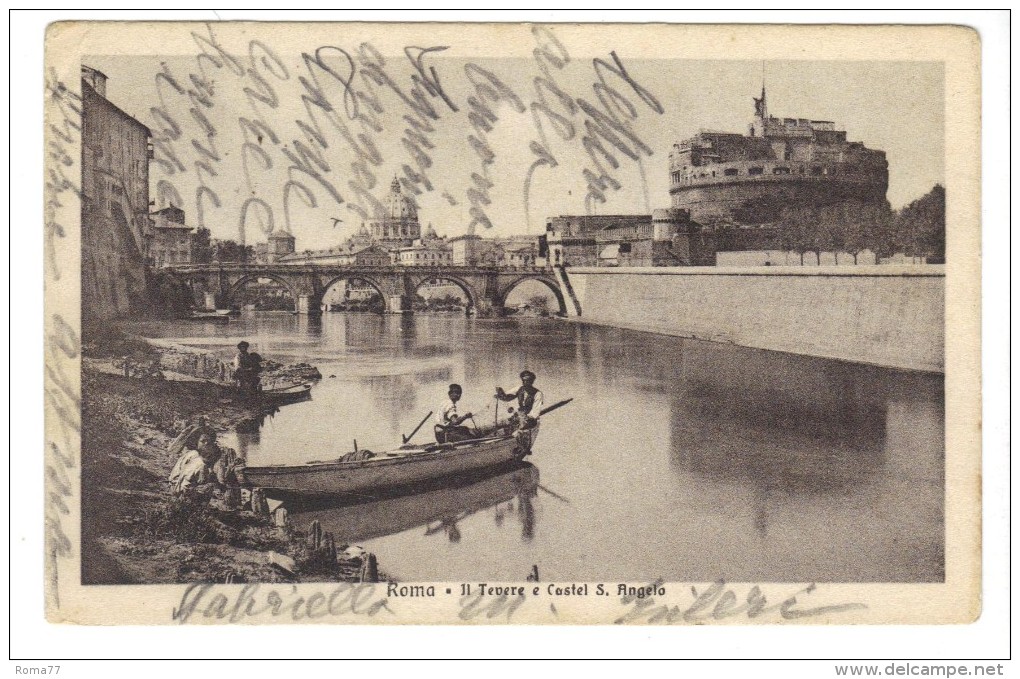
x=464 y=250
x=280 y=244
x=664 y=238
x=398 y=226
x=349 y=254
x=424 y=253
x=520 y=255
x=115 y=228
x=511 y=251
x=729 y=177
x=171 y=238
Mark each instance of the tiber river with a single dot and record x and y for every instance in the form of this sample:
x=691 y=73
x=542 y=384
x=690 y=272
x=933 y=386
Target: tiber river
x=677 y=459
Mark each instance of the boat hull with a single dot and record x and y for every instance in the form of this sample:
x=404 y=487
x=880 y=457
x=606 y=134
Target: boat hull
x=389 y=514
x=286 y=395
x=402 y=468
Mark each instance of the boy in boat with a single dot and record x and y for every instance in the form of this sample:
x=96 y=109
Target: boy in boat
x=529 y=401
x=449 y=424
x=246 y=370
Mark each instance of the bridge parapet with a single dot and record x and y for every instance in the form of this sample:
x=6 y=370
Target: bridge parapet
x=486 y=287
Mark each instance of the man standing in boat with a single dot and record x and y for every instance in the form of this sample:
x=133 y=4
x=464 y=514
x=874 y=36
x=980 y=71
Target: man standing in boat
x=449 y=424
x=529 y=401
x=246 y=370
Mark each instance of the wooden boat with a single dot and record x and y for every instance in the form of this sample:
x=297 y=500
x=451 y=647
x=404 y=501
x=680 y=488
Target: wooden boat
x=365 y=472
x=290 y=393
x=207 y=317
x=445 y=500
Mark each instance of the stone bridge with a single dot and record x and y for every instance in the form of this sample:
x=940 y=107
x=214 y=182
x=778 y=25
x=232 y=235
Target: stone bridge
x=486 y=288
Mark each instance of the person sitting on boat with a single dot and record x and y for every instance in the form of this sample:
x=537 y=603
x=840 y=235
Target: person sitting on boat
x=529 y=401
x=246 y=370
x=449 y=423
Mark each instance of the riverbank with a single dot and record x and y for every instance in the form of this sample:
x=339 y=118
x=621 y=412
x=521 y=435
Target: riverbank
x=133 y=531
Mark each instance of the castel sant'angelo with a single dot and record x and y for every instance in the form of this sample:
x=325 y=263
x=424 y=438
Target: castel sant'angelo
x=788 y=161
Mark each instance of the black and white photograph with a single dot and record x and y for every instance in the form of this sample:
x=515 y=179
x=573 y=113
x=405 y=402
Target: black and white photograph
x=518 y=323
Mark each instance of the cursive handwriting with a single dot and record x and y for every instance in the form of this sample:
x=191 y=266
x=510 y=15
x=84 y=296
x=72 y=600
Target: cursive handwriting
x=63 y=402
x=63 y=399
x=719 y=602
x=203 y=601
x=65 y=107
x=428 y=114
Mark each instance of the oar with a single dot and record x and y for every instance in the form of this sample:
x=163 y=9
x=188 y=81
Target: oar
x=554 y=406
x=555 y=495
x=411 y=435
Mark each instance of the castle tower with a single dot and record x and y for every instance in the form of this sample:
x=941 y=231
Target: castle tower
x=727 y=177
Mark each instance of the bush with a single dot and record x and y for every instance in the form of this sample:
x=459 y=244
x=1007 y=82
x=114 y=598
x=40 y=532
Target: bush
x=182 y=519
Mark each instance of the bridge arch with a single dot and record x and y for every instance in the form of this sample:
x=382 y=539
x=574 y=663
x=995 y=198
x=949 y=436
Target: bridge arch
x=330 y=282
x=548 y=281
x=239 y=284
x=469 y=290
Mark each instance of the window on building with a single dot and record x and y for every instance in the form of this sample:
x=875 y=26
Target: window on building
x=624 y=248
x=780 y=170
x=755 y=171
x=816 y=171
x=731 y=172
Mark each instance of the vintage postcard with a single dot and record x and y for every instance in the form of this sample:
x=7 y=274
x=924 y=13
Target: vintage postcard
x=512 y=324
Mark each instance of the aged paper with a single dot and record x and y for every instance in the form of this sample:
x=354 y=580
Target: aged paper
x=760 y=361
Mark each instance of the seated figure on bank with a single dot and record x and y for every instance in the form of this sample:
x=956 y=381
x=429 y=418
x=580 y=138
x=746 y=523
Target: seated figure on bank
x=204 y=468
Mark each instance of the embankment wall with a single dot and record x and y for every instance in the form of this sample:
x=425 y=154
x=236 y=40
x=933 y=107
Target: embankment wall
x=884 y=315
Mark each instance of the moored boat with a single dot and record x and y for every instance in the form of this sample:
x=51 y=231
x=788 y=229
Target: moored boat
x=207 y=317
x=365 y=472
x=286 y=394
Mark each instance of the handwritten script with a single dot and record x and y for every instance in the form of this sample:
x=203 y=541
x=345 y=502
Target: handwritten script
x=360 y=113
x=715 y=603
x=63 y=398
x=720 y=601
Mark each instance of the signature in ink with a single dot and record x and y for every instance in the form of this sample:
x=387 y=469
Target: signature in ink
x=204 y=601
x=720 y=601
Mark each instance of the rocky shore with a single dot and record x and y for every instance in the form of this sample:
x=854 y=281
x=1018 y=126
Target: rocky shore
x=138 y=396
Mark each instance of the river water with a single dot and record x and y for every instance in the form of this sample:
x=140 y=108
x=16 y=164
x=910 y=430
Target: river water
x=677 y=459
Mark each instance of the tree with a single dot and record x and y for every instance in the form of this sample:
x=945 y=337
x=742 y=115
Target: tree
x=201 y=246
x=798 y=228
x=539 y=303
x=854 y=226
x=921 y=226
x=231 y=251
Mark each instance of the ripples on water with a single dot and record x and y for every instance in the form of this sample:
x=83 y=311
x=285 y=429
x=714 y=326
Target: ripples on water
x=678 y=459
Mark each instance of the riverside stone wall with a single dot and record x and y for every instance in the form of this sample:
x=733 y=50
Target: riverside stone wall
x=884 y=315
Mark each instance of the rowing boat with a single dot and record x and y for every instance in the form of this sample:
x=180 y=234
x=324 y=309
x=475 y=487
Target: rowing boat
x=365 y=472
x=354 y=520
x=285 y=394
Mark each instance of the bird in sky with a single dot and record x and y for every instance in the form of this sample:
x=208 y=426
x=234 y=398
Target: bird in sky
x=336 y=221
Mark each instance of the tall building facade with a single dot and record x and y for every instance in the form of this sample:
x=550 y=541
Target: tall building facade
x=171 y=238
x=731 y=177
x=115 y=224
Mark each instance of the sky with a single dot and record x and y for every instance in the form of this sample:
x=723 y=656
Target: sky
x=476 y=179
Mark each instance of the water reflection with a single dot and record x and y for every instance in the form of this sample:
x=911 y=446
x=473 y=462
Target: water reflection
x=681 y=459
x=440 y=509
